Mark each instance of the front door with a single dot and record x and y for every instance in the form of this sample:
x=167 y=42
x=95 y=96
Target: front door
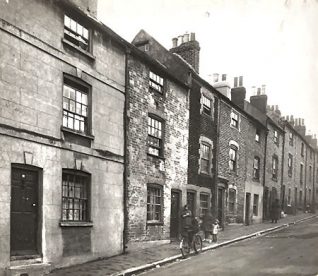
x=247 y=208
x=175 y=214
x=24 y=212
x=220 y=206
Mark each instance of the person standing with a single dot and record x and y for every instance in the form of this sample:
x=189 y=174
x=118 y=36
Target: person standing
x=275 y=211
x=215 y=230
x=208 y=226
x=187 y=220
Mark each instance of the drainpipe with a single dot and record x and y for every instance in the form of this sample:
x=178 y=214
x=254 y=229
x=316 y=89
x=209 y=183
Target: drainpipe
x=305 y=181
x=126 y=128
x=264 y=173
x=282 y=190
x=215 y=213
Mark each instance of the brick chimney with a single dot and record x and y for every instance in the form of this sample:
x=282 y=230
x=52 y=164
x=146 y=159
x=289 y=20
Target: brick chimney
x=238 y=96
x=300 y=126
x=259 y=100
x=221 y=83
x=89 y=6
x=188 y=48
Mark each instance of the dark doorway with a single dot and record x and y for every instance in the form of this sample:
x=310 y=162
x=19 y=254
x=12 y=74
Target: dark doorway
x=220 y=206
x=175 y=214
x=265 y=204
x=191 y=201
x=247 y=208
x=24 y=212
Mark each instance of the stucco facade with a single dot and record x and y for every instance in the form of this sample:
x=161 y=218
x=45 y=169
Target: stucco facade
x=36 y=64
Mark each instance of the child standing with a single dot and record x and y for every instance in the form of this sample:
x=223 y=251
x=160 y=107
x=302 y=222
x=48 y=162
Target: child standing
x=215 y=230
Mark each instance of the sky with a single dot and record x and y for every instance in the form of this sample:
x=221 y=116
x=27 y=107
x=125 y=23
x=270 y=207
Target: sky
x=271 y=42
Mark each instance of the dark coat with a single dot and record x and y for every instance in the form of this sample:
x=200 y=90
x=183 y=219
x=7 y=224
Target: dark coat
x=275 y=212
x=208 y=222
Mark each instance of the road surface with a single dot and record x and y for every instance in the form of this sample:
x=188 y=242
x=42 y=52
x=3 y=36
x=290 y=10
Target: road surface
x=291 y=251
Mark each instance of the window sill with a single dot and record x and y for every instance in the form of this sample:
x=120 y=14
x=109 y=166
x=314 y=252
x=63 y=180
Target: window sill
x=76 y=224
x=79 y=49
x=155 y=156
x=91 y=137
x=154 y=223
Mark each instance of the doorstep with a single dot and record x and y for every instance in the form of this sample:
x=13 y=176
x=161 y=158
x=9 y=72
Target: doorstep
x=28 y=267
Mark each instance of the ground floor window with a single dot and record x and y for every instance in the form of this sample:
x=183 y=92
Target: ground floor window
x=255 y=205
x=204 y=204
x=75 y=196
x=154 y=203
x=289 y=197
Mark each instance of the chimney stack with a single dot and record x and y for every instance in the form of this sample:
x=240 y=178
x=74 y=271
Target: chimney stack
x=222 y=85
x=188 y=48
x=260 y=99
x=238 y=96
x=300 y=126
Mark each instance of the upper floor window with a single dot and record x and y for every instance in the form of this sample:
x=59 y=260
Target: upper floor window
x=204 y=204
x=155 y=82
x=154 y=203
x=257 y=135
x=76 y=33
x=291 y=138
x=234 y=119
x=310 y=173
x=206 y=105
x=302 y=149
x=310 y=154
x=290 y=164
x=233 y=158
x=301 y=175
x=275 y=167
x=256 y=168
x=75 y=196
x=276 y=137
x=155 y=134
x=205 y=158
x=75 y=106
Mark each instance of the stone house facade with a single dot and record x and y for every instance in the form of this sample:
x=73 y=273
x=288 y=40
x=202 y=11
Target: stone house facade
x=62 y=83
x=157 y=149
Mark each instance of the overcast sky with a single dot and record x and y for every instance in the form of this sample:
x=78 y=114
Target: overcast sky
x=272 y=42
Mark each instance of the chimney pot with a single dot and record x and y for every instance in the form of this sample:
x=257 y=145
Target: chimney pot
x=174 y=42
x=180 y=39
x=302 y=122
x=192 y=36
x=186 y=38
x=263 y=89
x=258 y=91
x=215 y=77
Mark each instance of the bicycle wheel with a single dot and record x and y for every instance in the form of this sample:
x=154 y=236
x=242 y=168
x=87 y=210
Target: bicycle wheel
x=197 y=244
x=184 y=248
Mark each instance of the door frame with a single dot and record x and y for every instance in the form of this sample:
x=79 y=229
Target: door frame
x=39 y=223
x=179 y=192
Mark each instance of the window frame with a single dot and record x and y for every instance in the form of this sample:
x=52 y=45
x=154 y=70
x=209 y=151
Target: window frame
x=71 y=35
x=302 y=149
x=310 y=174
x=154 y=187
x=235 y=122
x=151 y=129
x=206 y=109
x=156 y=82
x=205 y=158
x=205 y=208
x=258 y=136
x=275 y=168
x=233 y=167
x=276 y=137
x=290 y=164
x=291 y=138
x=256 y=169
x=87 y=178
x=85 y=89
x=301 y=174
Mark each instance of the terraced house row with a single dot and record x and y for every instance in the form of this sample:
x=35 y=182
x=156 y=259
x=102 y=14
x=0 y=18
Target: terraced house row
x=103 y=141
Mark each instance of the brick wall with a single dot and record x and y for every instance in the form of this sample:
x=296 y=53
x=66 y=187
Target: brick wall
x=170 y=172
x=236 y=180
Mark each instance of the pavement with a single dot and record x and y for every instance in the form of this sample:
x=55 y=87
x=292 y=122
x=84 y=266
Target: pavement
x=134 y=262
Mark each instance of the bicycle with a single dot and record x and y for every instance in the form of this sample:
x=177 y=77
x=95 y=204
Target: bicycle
x=185 y=245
